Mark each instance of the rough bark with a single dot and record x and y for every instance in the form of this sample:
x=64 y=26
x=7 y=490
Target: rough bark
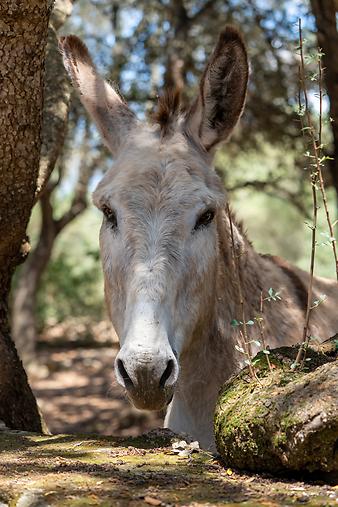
x=286 y=422
x=22 y=53
x=327 y=35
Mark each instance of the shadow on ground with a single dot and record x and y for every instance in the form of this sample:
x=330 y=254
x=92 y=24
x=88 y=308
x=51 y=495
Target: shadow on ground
x=77 y=393
x=82 y=470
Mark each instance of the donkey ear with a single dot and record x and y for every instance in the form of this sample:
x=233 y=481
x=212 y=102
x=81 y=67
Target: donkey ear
x=106 y=107
x=216 y=111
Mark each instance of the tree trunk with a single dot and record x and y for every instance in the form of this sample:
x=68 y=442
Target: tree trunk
x=24 y=326
x=327 y=35
x=288 y=421
x=56 y=98
x=175 y=71
x=22 y=52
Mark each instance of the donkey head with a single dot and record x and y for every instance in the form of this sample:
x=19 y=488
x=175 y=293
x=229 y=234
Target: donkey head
x=161 y=203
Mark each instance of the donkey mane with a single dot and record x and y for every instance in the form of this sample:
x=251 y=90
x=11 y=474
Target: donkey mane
x=168 y=110
x=301 y=291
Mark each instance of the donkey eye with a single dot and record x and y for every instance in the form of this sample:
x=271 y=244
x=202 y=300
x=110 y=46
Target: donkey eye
x=110 y=216
x=205 y=219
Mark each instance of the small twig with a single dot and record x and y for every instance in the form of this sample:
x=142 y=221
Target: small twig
x=313 y=178
x=261 y=329
x=272 y=188
x=244 y=333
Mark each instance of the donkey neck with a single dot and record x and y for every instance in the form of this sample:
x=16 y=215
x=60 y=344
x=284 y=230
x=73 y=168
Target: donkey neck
x=212 y=345
x=240 y=272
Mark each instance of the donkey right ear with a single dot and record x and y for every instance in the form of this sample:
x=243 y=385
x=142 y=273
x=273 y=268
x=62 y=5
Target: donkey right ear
x=222 y=91
x=109 y=111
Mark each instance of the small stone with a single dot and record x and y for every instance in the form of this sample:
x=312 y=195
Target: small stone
x=32 y=498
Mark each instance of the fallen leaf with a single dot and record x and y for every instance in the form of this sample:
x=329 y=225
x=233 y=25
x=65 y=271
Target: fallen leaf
x=251 y=479
x=152 y=501
x=77 y=444
x=183 y=449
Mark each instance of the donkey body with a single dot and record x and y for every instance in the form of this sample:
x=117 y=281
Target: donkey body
x=166 y=247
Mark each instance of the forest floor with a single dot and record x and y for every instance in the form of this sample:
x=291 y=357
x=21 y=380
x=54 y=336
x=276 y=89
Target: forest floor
x=82 y=470
x=77 y=394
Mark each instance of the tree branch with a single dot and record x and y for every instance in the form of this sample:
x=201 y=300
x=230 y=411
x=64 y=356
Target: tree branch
x=79 y=201
x=56 y=99
x=272 y=188
x=208 y=6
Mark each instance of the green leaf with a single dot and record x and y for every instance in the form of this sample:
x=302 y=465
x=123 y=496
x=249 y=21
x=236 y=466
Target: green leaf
x=250 y=323
x=234 y=323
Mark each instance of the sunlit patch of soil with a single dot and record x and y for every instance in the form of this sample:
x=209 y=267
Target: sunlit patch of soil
x=77 y=393
x=66 y=470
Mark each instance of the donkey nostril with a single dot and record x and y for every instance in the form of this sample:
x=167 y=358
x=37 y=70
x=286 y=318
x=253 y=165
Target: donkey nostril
x=167 y=372
x=123 y=372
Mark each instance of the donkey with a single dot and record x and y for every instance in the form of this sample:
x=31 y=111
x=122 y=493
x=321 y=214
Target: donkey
x=168 y=244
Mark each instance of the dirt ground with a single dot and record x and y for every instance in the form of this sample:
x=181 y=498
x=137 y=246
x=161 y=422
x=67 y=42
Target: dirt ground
x=77 y=393
x=77 y=470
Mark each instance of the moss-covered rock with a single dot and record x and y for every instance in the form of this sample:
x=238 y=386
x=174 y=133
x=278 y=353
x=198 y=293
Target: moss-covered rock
x=286 y=421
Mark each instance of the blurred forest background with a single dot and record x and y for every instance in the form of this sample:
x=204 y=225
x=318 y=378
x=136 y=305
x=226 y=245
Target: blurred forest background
x=58 y=315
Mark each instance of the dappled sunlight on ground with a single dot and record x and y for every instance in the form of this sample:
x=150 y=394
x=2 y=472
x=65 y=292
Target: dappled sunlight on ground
x=81 y=471
x=77 y=393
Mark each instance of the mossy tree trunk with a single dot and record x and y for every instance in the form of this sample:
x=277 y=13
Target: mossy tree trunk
x=288 y=421
x=22 y=53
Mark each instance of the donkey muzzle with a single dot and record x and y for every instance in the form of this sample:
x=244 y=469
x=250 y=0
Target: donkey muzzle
x=148 y=378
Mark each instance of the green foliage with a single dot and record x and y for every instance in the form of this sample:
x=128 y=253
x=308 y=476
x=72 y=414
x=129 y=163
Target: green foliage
x=278 y=229
x=273 y=295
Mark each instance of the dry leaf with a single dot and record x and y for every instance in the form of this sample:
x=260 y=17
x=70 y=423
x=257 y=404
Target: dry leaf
x=183 y=449
x=152 y=501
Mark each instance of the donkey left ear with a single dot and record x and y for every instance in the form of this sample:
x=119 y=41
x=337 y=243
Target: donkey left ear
x=223 y=86
x=106 y=107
